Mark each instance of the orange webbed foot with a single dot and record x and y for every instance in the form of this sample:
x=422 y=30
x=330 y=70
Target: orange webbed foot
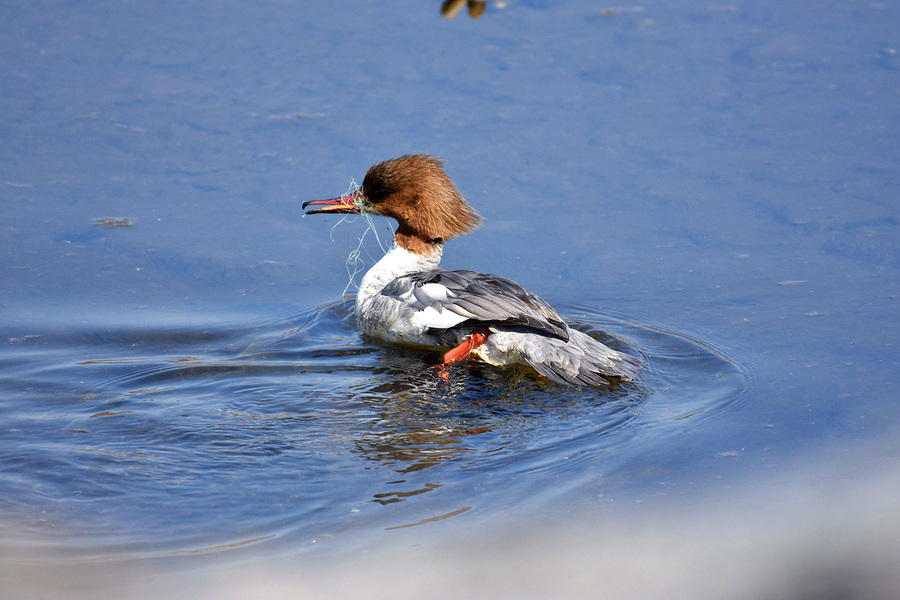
x=461 y=352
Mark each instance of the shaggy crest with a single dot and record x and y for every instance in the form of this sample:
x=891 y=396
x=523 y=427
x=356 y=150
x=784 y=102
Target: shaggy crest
x=415 y=191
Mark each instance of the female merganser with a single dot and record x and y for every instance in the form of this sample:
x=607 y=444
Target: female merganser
x=405 y=298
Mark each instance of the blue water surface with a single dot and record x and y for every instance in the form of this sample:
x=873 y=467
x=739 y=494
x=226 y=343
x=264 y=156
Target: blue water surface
x=710 y=187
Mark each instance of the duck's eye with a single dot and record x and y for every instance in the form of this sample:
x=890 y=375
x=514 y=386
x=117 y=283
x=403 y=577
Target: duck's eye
x=378 y=195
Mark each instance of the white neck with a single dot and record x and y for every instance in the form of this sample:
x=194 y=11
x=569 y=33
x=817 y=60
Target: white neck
x=396 y=263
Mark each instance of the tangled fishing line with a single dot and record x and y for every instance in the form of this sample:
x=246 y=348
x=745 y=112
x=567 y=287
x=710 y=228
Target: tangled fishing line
x=355 y=263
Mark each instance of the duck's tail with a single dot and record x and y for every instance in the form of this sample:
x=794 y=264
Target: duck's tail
x=581 y=360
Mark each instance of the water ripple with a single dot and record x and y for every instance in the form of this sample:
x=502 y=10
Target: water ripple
x=285 y=426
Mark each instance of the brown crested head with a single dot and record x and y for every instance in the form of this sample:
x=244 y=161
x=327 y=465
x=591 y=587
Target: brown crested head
x=415 y=191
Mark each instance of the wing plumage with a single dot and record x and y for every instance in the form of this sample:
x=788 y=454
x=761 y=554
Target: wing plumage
x=447 y=299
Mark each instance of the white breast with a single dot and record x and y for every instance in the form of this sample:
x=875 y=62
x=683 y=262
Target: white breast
x=386 y=318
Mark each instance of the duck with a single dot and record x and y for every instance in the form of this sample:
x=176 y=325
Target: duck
x=406 y=298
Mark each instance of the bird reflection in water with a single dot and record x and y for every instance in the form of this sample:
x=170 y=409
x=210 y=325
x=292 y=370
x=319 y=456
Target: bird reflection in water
x=423 y=422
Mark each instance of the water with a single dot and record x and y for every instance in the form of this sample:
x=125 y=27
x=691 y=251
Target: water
x=710 y=187
x=293 y=427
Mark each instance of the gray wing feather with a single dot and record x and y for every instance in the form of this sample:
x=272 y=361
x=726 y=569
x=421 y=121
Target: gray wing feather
x=422 y=298
x=480 y=298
